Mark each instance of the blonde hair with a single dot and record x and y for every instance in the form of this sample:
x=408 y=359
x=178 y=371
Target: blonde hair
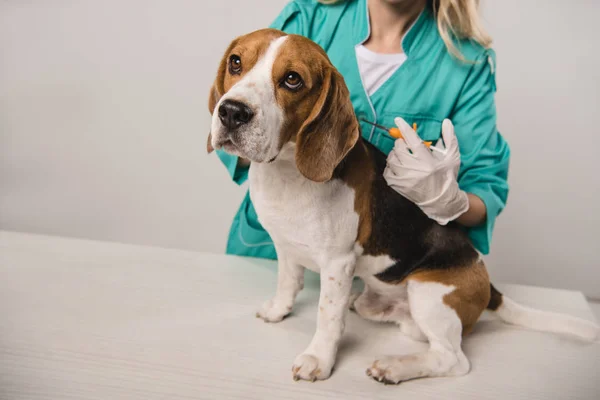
x=455 y=19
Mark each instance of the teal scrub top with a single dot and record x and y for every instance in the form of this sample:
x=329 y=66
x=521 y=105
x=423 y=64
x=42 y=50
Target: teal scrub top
x=429 y=86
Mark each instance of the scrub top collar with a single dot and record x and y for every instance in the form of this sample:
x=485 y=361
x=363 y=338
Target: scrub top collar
x=412 y=39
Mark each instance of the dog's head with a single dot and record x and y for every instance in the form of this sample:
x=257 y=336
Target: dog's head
x=272 y=88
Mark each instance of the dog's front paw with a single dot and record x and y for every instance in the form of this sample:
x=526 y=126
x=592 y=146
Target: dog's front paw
x=311 y=368
x=273 y=311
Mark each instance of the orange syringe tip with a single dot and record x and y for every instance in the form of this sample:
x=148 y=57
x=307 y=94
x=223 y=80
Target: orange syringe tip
x=395 y=133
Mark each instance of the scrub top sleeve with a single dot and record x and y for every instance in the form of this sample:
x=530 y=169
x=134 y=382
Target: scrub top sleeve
x=485 y=154
x=292 y=19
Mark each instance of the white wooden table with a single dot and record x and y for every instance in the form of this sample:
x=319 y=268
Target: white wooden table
x=92 y=320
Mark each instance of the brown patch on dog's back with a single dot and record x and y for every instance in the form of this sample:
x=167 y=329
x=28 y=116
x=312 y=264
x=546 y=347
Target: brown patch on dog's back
x=471 y=294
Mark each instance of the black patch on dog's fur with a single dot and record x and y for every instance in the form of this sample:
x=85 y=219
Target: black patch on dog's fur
x=402 y=231
x=495 y=299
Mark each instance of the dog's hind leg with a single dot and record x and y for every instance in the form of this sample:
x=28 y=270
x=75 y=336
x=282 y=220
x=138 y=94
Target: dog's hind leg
x=383 y=302
x=443 y=329
x=374 y=306
x=444 y=305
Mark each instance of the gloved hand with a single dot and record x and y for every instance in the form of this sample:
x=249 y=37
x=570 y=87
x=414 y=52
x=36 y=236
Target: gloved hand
x=427 y=178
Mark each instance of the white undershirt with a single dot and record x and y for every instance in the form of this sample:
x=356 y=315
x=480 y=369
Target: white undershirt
x=376 y=68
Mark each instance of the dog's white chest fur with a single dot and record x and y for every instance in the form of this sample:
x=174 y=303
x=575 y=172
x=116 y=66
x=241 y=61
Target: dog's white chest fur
x=306 y=220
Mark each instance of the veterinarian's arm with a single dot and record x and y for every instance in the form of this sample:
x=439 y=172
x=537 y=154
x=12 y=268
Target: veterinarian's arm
x=484 y=153
x=474 y=194
x=476 y=214
x=428 y=179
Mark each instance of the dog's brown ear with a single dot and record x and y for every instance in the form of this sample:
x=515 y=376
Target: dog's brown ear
x=217 y=89
x=329 y=132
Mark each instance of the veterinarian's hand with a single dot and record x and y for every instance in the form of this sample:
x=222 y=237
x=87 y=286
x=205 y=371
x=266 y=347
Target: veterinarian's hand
x=428 y=179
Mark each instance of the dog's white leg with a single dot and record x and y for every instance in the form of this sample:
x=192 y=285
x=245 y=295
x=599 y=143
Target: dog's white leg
x=409 y=327
x=318 y=359
x=290 y=280
x=442 y=327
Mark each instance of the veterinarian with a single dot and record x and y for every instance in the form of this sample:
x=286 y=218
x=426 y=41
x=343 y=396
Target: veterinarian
x=408 y=62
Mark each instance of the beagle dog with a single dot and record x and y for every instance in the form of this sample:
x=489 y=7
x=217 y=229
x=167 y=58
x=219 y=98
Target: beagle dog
x=319 y=191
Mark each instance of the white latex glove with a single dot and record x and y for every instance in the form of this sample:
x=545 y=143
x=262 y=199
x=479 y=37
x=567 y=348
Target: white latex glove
x=427 y=178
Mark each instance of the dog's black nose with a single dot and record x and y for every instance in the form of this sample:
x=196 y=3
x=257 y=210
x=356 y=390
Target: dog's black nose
x=234 y=113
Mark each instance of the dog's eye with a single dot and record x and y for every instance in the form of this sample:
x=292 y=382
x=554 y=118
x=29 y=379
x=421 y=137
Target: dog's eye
x=235 y=64
x=293 y=81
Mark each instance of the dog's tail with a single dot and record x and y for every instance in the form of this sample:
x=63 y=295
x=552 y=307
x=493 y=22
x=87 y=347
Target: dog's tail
x=516 y=314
